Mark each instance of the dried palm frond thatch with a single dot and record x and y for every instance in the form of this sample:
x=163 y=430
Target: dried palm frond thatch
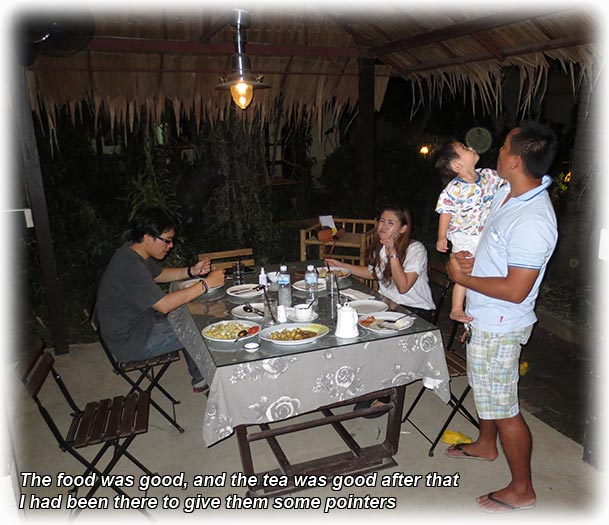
x=310 y=58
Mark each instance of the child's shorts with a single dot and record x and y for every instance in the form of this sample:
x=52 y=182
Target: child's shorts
x=464 y=242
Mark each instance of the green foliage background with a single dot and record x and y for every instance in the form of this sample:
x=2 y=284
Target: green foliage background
x=219 y=197
x=216 y=180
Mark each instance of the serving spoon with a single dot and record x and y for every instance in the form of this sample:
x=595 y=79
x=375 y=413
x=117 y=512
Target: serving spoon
x=390 y=324
x=240 y=335
x=247 y=307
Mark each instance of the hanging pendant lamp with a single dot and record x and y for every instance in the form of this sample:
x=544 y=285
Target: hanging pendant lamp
x=241 y=82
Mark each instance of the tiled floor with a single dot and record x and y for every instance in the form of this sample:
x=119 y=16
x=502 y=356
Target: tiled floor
x=567 y=487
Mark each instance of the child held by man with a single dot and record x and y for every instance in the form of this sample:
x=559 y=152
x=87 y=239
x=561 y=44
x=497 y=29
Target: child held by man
x=463 y=205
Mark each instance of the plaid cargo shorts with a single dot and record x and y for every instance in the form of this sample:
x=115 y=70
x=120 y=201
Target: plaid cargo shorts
x=492 y=371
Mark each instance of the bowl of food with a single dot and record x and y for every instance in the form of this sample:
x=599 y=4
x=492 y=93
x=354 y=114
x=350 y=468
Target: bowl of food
x=293 y=333
x=341 y=273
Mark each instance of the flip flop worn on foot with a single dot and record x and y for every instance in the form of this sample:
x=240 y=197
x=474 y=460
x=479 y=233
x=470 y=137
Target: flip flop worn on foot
x=503 y=506
x=201 y=388
x=463 y=454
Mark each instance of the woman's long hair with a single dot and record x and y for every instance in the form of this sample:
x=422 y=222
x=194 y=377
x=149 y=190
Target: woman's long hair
x=374 y=249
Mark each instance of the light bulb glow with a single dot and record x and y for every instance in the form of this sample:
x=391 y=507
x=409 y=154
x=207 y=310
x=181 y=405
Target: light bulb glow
x=424 y=150
x=242 y=94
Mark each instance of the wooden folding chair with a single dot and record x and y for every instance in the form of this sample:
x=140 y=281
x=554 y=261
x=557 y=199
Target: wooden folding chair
x=440 y=285
x=227 y=258
x=150 y=370
x=147 y=370
x=455 y=361
x=111 y=422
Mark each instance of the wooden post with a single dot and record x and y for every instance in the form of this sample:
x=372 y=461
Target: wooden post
x=366 y=135
x=576 y=259
x=37 y=200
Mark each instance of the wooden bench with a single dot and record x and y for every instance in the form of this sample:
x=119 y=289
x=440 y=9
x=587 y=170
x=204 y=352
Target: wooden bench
x=226 y=259
x=350 y=248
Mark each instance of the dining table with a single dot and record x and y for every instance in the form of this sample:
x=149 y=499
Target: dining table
x=261 y=394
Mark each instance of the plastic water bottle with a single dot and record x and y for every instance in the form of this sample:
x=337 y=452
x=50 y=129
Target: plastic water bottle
x=310 y=278
x=262 y=279
x=285 y=292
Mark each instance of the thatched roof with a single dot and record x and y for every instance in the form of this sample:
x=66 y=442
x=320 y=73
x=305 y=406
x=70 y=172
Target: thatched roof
x=137 y=62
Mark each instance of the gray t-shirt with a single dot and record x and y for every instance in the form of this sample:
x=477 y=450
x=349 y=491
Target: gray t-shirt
x=125 y=296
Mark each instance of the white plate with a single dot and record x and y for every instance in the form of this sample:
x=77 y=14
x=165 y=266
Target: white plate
x=241 y=290
x=320 y=328
x=239 y=312
x=302 y=286
x=192 y=282
x=245 y=324
x=322 y=271
x=388 y=316
x=292 y=316
x=368 y=306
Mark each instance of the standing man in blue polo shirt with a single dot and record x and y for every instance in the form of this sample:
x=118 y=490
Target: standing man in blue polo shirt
x=515 y=246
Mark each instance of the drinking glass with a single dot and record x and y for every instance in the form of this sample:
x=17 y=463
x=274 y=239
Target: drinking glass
x=327 y=303
x=270 y=305
x=238 y=273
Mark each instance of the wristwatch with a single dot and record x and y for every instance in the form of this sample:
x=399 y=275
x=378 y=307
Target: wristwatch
x=204 y=285
x=394 y=256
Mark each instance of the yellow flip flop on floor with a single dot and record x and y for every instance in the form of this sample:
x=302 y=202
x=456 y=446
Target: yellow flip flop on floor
x=451 y=437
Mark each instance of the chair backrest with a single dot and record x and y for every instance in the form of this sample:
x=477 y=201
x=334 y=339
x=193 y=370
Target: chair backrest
x=440 y=284
x=94 y=321
x=226 y=259
x=34 y=368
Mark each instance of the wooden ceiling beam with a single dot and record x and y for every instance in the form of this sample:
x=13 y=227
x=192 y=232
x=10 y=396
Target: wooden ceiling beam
x=141 y=45
x=216 y=27
x=541 y=47
x=384 y=34
x=346 y=27
x=202 y=71
x=466 y=28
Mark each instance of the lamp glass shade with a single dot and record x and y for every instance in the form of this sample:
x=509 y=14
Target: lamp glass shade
x=242 y=93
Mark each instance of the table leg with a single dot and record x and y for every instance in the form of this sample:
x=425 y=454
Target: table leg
x=356 y=461
x=394 y=424
x=244 y=450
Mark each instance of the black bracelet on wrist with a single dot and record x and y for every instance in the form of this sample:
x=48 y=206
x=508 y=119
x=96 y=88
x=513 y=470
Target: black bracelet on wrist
x=205 y=287
x=188 y=272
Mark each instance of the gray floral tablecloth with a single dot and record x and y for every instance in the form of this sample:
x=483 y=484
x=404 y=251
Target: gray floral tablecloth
x=280 y=382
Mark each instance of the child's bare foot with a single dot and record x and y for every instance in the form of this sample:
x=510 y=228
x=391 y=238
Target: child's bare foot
x=461 y=316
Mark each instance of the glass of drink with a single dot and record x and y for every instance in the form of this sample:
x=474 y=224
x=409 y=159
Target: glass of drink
x=238 y=273
x=270 y=311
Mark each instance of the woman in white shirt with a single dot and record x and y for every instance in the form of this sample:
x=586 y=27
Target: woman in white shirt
x=400 y=265
x=398 y=262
